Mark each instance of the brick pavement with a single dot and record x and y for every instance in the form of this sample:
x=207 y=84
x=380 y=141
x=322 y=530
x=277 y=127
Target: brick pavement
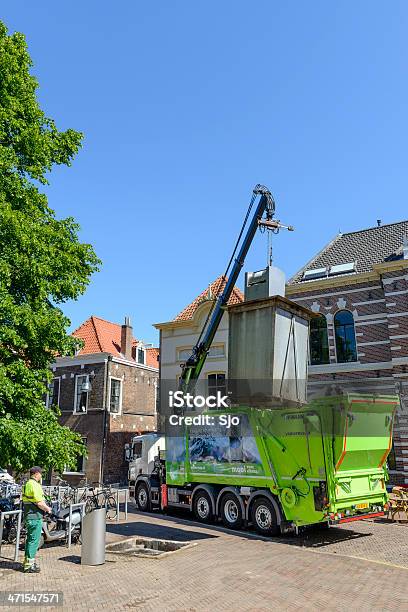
x=346 y=568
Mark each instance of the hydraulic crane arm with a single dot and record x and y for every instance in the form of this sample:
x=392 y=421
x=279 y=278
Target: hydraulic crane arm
x=266 y=206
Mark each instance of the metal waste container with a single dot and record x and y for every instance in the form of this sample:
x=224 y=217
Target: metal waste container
x=93 y=537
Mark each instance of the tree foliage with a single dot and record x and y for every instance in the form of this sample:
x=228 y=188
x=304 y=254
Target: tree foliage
x=42 y=264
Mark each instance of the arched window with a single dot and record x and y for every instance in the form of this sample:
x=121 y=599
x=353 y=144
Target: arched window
x=345 y=337
x=319 y=344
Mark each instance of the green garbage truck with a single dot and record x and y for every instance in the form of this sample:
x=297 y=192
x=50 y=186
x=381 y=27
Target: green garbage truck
x=263 y=454
x=289 y=467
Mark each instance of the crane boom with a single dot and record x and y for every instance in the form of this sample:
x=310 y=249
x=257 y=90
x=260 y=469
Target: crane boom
x=266 y=205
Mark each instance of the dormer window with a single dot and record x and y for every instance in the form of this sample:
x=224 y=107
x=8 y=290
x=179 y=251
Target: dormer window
x=141 y=355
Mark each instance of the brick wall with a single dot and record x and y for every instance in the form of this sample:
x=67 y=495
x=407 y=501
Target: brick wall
x=138 y=413
x=89 y=426
x=120 y=432
x=379 y=309
x=138 y=391
x=68 y=374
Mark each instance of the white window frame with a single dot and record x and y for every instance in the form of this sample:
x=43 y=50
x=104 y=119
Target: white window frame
x=140 y=347
x=120 y=396
x=47 y=404
x=216 y=373
x=179 y=349
x=75 y=394
x=217 y=345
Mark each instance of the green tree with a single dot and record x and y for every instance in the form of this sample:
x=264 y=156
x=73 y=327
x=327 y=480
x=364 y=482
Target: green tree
x=42 y=265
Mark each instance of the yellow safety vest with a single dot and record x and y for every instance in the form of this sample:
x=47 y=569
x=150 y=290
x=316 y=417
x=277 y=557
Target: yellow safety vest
x=32 y=494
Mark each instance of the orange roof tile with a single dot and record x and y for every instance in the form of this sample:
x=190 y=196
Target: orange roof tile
x=212 y=291
x=101 y=336
x=152 y=355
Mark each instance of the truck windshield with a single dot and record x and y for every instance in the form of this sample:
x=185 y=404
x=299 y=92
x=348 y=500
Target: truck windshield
x=137 y=450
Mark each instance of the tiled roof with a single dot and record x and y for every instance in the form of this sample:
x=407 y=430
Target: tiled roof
x=212 y=291
x=365 y=247
x=152 y=355
x=101 y=336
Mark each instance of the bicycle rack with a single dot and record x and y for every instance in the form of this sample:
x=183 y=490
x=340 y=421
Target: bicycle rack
x=71 y=507
x=118 y=492
x=2 y=516
x=117 y=496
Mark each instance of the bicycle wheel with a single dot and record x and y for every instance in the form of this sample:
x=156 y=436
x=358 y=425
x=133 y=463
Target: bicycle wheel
x=105 y=500
x=111 y=509
x=90 y=504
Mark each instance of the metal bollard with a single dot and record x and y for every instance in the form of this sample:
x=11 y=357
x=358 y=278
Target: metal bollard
x=93 y=538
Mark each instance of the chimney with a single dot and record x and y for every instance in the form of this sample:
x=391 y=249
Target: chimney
x=379 y=222
x=126 y=338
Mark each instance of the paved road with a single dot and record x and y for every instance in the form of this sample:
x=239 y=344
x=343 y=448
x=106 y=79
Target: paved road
x=359 y=566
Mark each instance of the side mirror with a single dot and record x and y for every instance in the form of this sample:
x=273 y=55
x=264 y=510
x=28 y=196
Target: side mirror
x=128 y=452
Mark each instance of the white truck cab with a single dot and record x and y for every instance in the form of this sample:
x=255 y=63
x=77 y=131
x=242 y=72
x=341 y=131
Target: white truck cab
x=141 y=454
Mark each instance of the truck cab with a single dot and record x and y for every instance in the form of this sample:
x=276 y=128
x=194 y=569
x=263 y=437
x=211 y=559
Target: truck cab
x=141 y=454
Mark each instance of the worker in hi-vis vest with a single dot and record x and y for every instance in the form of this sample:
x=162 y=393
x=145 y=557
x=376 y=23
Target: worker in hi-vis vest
x=34 y=509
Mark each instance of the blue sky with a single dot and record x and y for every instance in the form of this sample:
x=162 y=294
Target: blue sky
x=186 y=106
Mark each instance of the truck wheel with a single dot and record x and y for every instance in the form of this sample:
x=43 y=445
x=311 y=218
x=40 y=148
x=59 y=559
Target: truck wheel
x=230 y=511
x=142 y=497
x=202 y=507
x=323 y=526
x=263 y=517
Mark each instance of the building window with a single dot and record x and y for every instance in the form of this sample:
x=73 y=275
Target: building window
x=80 y=463
x=391 y=459
x=345 y=337
x=216 y=351
x=81 y=394
x=53 y=396
x=115 y=395
x=184 y=354
x=217 y=382
x=141 y=356
x=319 y=344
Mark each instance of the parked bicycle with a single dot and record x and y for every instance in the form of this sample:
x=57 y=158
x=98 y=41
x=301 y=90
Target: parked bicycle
x=102 y=497
x=93 y=497
x=8 y=504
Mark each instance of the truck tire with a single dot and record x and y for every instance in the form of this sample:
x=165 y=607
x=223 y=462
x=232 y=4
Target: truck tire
x=263 y=517
x=231 y=511
x=142 y=497
x=202 y=507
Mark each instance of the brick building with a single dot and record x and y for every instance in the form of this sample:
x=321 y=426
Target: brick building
x=358 y=284
x=107 y=393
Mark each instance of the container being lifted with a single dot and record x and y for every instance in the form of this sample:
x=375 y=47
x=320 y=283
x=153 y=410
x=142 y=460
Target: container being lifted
x=268 y=352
